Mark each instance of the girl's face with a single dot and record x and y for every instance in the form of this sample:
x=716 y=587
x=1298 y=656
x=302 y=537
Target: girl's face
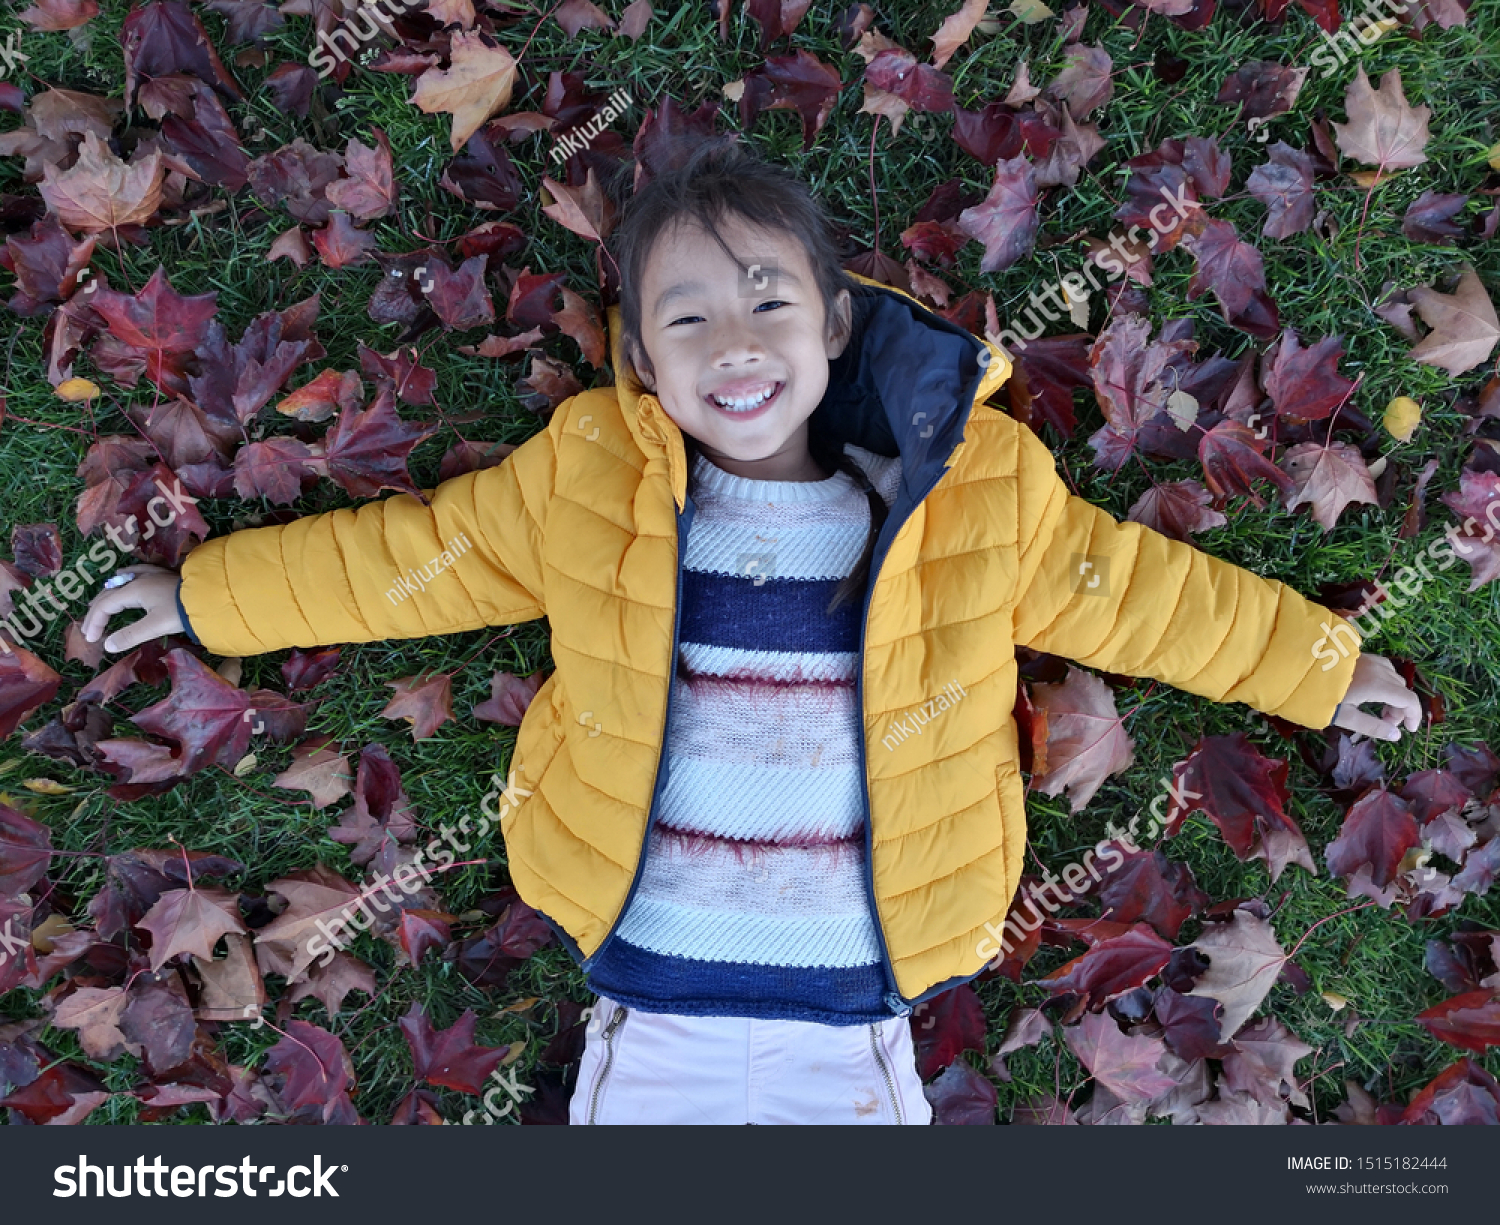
x=739 y=353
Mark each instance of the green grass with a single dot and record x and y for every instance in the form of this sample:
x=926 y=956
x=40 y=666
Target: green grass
x=1371 y=957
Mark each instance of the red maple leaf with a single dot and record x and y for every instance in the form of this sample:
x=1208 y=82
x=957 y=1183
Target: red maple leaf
x=799 y=82
x=25 y=849
x=1302 y=382
x=367 y=450
x=1376 y=833
x=160 y=325
x=210 y=719
x=449 y=1057
x=426 y=705
x=316 y=1069
x=1110 y=968
x=946 y=1026
x=25 y=683
x=1470 y=1021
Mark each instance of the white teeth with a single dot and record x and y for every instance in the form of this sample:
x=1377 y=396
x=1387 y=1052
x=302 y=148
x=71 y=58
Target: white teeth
x=744 y=404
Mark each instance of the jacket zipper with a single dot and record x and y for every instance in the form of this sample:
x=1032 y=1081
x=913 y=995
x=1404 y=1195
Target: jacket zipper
x=663 y=763
x=893 y=998
x=609 y=1059
x=890 y=1083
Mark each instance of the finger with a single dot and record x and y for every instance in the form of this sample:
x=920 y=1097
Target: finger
x=1361 y=724
x=130 y=636
x=1404 y=705
x=104 y=606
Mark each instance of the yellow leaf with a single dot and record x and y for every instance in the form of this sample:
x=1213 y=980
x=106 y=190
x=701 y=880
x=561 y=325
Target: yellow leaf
x=1402 y=416
x=1333 y=999
x=45 y=786
x=1494 y=157
x=53 y=927
x=73 y=390
x=1029 y=12
x=516 y=1048
x=733 y=90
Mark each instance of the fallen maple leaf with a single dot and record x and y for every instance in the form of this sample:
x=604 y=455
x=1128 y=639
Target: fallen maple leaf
x=1464 y=325
x=342 y=244
x=320 y=772
x=161 y=325
x=1383 y=131
x=1085 y=82
x=100 y=192
x=476 y=84
x=799 y=82
x=25 y=683
x=1305 y=383
x=586 y=210
x=59 y=14
x=1377 y=832
x=580 y=320
x=190 y=921
x=369 y=191
x=367 y=450
x=329 y=391
x=449 y=1057
x=1226 y=264
x=458 y=296
x=1470 y=1021
x=1085 y=739
x=210 y=719
x=95 y=1013
x=1125 y=1063
x=1244 y=793
x=952 y=35
x=1284 y=185
x=1263 y=88
x=1006 y=221
x=426 y=705
x=1244 y=961
x=1179 y=509
x=316 y=1070
x=233 y=989
x=1329 y=477
x=314 y=896
x=510 y=695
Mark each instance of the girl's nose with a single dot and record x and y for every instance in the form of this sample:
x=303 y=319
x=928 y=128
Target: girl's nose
x=734 y=346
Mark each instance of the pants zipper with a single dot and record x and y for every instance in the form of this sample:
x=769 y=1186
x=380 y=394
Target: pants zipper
x=885 y=1071
x=609 y=1059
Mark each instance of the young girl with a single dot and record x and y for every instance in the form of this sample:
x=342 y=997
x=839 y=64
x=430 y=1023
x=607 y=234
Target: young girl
x=773 y=793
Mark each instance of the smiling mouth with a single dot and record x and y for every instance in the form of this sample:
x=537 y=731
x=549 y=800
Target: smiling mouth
x=745 y=403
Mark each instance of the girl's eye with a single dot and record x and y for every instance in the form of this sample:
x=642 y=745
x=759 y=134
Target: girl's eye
x=772 y=302
x=685 y=319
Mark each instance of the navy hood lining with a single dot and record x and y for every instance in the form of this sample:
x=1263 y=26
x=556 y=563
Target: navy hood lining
x=904 y=385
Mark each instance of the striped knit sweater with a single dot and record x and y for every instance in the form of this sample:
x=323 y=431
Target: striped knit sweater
x=752 y=900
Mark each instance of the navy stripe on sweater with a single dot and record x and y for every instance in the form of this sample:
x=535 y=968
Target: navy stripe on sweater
x=727 y=610
x=653 y=982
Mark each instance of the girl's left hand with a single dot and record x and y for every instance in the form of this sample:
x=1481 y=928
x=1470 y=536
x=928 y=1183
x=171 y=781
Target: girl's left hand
x=1376 y=680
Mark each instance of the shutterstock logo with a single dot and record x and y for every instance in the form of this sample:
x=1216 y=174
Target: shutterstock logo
x=244 y=1179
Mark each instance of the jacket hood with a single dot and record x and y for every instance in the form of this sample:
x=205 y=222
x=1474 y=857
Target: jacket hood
x=905 y=385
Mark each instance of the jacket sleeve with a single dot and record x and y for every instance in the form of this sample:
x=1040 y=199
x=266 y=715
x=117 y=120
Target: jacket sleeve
x=1123 y=598
x=369 y=572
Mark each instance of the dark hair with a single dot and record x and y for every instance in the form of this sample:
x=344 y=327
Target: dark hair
x=721 y=179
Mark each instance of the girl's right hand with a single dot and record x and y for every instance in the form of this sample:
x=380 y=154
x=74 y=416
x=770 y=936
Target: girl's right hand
x=151 y=588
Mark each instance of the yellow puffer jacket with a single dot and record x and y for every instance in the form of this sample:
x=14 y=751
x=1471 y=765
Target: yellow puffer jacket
x=582 y=524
